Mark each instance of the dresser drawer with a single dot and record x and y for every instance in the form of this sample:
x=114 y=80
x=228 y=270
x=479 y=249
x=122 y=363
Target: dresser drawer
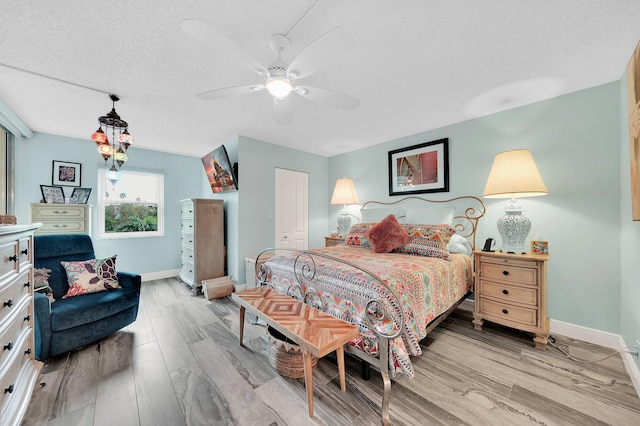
x=510 y=272
x=25 y=251
x=63 y=211
x=13 y=295
x=187 y=253
x=187 y=239
x=63 y=227
x=15 y=382
x=187 y=270
x=187 y=226
x=509 y=293
x=7 y=253
x=186 y=211
x=13 y=333
x=505 y=313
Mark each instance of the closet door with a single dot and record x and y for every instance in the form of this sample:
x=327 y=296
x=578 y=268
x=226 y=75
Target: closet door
x=292 y=209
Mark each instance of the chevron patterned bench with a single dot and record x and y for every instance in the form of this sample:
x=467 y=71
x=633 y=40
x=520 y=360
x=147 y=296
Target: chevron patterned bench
x=316 y=332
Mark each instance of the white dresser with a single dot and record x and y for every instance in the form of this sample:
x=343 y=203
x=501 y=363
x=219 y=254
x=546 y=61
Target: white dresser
x=62 y=218
x=203 y=255
x=18 y=367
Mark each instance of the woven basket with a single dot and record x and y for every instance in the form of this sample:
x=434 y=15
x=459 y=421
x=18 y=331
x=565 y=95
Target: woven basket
x=285 y=356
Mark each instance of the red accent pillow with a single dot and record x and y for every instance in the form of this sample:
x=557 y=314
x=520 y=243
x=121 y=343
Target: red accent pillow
x=387 y=235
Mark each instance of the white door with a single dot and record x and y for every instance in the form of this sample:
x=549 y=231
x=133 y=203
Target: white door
x=292 y=209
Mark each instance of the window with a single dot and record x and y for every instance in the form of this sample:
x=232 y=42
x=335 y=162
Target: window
x=131 y=208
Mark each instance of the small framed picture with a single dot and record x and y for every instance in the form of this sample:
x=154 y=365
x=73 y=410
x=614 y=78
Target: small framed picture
x=81 y=195
x=539 y=247
x=66 y=174
x=52 y=194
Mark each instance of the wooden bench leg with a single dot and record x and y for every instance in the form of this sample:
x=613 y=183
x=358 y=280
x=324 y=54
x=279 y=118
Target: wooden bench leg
x=340 y=357
x=242 y=309
x=308 y=380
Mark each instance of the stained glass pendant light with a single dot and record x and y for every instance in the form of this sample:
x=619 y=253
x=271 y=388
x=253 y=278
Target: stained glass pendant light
x=116 y=148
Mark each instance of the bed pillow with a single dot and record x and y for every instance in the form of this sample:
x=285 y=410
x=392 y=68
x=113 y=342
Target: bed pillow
x=376 y=215
x=91 y=276
x=431 y=215
x=356 y=236
x=459 y=244
x=428 y=240
x=387 y=235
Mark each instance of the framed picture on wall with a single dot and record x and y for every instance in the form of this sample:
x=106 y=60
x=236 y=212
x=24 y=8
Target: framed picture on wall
x=419 y=168
x=66 y=174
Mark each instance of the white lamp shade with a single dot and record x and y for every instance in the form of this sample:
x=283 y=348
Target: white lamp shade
x=344 y=192
x=514 y=174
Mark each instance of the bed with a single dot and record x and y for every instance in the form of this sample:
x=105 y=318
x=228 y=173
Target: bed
x=402 y=269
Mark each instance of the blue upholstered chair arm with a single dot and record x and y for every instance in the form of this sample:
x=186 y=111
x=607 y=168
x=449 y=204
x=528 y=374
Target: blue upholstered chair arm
x=42 y=325
x=128 y=279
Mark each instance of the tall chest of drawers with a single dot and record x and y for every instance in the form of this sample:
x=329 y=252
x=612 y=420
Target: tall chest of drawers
x=62 y=218
x=202 y=225
x=511 y=289
x=18 y=367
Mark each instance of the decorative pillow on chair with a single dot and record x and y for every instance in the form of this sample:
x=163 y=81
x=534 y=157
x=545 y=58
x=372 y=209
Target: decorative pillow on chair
x=428 y=240
x=356 y=235
x=387 y=235
x=91 y=276
x=40 y=278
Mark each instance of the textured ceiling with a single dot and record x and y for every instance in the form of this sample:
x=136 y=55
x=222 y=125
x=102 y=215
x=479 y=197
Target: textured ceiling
x=416 y=65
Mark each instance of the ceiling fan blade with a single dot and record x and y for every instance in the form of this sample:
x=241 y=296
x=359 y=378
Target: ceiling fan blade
x=321 y=52
x=222 y=45
x=282 y=109
x=328 y=97
x=230 y=91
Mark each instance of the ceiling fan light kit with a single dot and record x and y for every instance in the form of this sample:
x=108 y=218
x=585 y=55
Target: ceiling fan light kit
x=280 y=77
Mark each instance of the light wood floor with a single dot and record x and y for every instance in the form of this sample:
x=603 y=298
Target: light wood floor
x=180 y=363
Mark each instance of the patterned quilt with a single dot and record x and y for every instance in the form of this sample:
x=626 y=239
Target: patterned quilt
x=426 y=287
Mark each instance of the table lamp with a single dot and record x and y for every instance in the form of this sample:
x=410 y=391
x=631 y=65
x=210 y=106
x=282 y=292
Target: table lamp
x=344 y=193
x=514 y=174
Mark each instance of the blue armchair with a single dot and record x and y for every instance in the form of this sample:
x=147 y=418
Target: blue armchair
x=73 y=322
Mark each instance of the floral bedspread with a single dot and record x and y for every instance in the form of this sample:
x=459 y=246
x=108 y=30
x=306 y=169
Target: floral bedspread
x=426 y=287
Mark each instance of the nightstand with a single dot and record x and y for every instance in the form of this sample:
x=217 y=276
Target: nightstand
x=511 y=289
x=333 y=241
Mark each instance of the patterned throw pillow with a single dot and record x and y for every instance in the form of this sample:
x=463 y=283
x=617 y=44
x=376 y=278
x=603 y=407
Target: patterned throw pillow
x=387 y=235
x=40 y=278
x=428 y=240
x=91 y=276
x=356 y=235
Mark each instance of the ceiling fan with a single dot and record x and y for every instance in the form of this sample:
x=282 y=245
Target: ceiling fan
x=280 y=78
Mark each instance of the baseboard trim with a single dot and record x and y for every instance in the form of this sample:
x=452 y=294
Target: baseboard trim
x=590 y=335
x=160 y=275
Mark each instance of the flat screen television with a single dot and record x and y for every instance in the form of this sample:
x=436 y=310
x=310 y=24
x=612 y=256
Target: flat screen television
x=219 y=171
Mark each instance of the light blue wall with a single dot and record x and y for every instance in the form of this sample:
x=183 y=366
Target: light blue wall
x=575 y=140
x=630 y=237
x=183 y=177
x=257 y=162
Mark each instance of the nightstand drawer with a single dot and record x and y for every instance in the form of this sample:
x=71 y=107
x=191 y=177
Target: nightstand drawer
x=503 y=312
x=508 y=293
x=333 y=241
x=509 y=272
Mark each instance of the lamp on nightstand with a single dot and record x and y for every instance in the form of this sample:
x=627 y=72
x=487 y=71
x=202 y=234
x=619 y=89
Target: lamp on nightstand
x=514 y=174
x=344 y=193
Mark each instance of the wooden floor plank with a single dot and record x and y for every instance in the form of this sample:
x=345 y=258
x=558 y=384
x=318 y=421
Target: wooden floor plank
x=156 y=397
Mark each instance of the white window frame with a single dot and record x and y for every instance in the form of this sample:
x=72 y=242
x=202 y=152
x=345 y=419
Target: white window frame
x=103 y=185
